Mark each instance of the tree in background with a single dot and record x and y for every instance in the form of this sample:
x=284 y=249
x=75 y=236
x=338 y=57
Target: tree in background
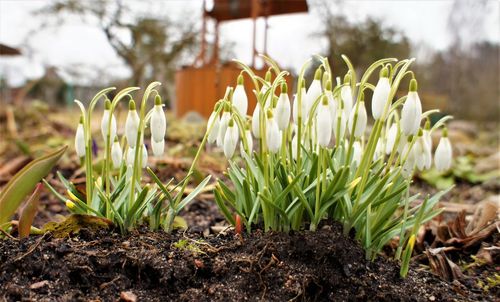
x=150 y=46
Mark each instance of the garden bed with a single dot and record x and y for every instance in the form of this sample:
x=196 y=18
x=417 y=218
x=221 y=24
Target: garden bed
x=155 y=266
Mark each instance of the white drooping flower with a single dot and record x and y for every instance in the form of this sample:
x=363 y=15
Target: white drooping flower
x=391 y=138
x=130 y=155
x=80 y=139
x=231 y=139
x=361 y=120
x=303 y=105
x=240 y=99
x=346 y=95
x=423 y=155
x=339 y=123
x=427 y=134
x=381 y=94
x=273 y=137
x=256 y=121
x=249 y=139
x=116 y=154
x=130 y=171
x=158 y=147
x=131 y=124
x=409 y=164
x=314 y=92
x=444 y=153
x=222 y=128
x=214 y=132
x=104 y=123
x=411 y=114
x=158 y=121
x=356 y=153
x=144 y=156
x=332 y=104
x=295 y=148
x=324 y=123
x=283 y=109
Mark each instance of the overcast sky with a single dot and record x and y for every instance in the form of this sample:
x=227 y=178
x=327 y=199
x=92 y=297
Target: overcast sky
x=291 y=37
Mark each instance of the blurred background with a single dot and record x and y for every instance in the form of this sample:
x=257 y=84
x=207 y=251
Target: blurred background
x=58 y=50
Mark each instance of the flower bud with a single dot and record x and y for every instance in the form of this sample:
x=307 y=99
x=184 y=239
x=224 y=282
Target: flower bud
x=324 y=123
x=411 y=114
x=391 y=138
x=444 y=153
x=255 y=121
x=223 y=127
x=158 y=147
x=104 y=123
x=423 y=155
x=273 y=137
x=116 y=154
x=356 y=153
x=381 y=94
x=158 y=121
x=132 y=125
x=130 y=155
x=144 y=156
x=240 y=99
x=231 y=139
x=214 y=118
x=283 y=109
x=249 y=139
x=80 y=139
x=361 y=120
x=314 y=92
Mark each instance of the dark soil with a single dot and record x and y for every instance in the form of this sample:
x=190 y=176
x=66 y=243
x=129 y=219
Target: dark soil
x=154 y=266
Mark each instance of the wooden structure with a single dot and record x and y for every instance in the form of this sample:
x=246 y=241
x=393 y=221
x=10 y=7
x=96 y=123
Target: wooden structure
x=200 y=85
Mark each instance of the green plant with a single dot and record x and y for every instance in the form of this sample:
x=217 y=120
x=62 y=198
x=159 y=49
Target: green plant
x=118 y=192
x=23 y=182
x=324 y=164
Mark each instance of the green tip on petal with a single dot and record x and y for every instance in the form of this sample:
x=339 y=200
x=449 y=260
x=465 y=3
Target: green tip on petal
x=227 y=107
x=240 y=79
x=324 y=100
x=131 y=105
x=81 y=119
x=116 y=139
x=341 y=104
x=420 y=132
x=268 y=76
x=300 y=84
x=269 y=113
x=362 y=96
x=445 y=132
x=284 y=88
x=317 y=74
x=427 y=125
x=231 y=122
x=384 y=72
x=413 y=85
x=158 y=101
x=248 y=125
x=347 y=78
x=328 y=85
x=107 y=104
x=410 y=138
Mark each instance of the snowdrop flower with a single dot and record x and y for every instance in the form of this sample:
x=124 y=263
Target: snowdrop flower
x=332 y=103
x=303 y=105
x=379 y=150
x=361 y=120
x=295 y=148
x=423 y=156
x=240 y=99
x=283 y=109
x=444 y=153
x=356 y=153
x=130 y=155
x=105 y=120
x=391 y=138
x=231 y=139
x=411 y=114
x=409 y=164
x=158 y=121
x=131 y=124
x=144 y=156
x=249 y=139
x=158 y=147
x=273 y=137
x=339 y=123
x=313 y=92
x=116 y=154
x=346 y=94
x=214 y=132
x=381 y=94
x=223 y=127
x=324 y=123
x=80 y=139
x=130 y=171
x=427 y=134
x=256 y=121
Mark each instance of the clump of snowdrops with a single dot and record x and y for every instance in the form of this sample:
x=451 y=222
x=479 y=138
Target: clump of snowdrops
x=314 y=158
x=117 y=192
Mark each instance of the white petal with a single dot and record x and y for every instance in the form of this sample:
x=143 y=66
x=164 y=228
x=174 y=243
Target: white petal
x=230 y=141
x=391 y=138
x=212 y=136
x=158 y=147
x=130 y=155
x=222 y=128
x=312 y=95
x=361 y=120
x=158 y=123
x=324 y=124
x=411 y=114
x=356 y=154
x=116 y=154
x=380 y=97
x=132 y=127
x=240 y=100
x=283 y=111
x=249 y=139
x=346 y=95
x=255 y=121
x=80 y=141
x=104 y=126
x=273 y=137
x=144 y=156
x=303 y=105
x=443 y=156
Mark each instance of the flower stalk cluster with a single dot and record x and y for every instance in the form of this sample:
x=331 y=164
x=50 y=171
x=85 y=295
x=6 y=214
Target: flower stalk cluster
x=117 y=191
x=318 y=161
